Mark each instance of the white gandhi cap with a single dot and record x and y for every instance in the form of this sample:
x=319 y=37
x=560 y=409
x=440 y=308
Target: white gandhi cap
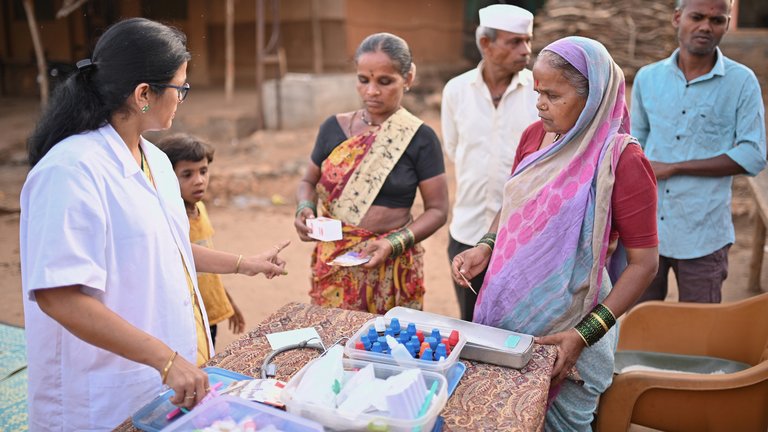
x=508 y=18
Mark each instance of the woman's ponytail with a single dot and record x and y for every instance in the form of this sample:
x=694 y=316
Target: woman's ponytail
x=75 y=107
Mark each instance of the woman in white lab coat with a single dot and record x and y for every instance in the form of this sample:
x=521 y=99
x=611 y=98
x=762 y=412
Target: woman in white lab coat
x=111 y=303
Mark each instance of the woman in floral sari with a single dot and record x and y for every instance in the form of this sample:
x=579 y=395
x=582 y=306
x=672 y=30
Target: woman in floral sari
x=579 y=184
x=365 y=170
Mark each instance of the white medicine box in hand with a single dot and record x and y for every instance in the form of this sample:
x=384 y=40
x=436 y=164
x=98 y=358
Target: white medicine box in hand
x=324 y=229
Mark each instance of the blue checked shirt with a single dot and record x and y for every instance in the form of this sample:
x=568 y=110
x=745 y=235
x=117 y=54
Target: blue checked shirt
x=675 y=120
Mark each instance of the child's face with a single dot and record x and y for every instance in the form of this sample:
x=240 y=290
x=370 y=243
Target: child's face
x=193 y=179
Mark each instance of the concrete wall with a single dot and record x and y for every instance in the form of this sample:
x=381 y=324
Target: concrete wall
x=307 y=99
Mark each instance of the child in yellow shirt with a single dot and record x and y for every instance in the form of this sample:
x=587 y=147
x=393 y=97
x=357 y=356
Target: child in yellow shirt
x=190 y=158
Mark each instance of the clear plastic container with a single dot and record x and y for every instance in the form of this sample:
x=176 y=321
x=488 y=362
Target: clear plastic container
x=334 y=420
x=239 y=411
x=153 y=416
x=442 y=367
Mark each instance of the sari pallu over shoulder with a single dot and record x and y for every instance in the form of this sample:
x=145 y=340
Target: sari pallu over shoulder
x=547 y=269
x=354 y=172
x=351 y=178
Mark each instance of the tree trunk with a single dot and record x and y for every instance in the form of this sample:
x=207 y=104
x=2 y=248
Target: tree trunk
x=229 y=50
x=42 y=69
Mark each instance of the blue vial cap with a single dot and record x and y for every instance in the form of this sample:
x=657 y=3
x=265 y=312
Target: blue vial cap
x=412 y=349
x=411 y=329
x=372 y=334
x=394 y=324
x=376 y=347
x=414 y=346
x=404 y=338
x=366 y=341
x=382 y=340
x=436 y=334
x=389 y=331
x=432 y=342
x=440 y=351
x=427 y=355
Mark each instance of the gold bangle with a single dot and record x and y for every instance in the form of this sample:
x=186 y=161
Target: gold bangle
x=237 y=266
x=167 y=367
x=600 y=320
x=401 y=240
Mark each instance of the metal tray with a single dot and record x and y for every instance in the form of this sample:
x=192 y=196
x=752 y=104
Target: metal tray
x=484 y=343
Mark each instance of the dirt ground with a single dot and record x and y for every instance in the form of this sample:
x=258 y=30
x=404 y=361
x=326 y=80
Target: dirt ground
x=251 y=203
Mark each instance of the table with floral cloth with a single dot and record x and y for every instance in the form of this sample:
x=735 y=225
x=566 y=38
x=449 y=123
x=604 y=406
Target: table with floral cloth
x=488 y=397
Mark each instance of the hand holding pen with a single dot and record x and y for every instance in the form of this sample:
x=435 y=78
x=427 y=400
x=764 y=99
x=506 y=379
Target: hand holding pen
x=469 y=284
x=469 y=264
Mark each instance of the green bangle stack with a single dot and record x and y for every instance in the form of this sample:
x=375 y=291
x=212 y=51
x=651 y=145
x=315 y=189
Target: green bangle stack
x=306 y=204
x=401 y=241
x=596 y=324
x=489 y=239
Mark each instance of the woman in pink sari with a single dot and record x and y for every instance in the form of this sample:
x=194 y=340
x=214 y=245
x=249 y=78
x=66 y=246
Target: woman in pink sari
x=365 y=170
x=579 y=184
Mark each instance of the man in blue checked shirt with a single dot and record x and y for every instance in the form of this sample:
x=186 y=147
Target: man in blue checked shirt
x=700 y=119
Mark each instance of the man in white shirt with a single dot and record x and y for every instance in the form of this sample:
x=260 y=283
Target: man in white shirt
x=484 y=113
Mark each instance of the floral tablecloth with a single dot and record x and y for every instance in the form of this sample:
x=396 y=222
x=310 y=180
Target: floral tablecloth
x=488 y=397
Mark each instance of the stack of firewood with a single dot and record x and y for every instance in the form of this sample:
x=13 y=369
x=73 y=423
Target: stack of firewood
x=636 y=32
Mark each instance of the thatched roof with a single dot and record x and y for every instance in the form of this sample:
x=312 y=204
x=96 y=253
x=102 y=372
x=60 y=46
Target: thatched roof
x=636 y=32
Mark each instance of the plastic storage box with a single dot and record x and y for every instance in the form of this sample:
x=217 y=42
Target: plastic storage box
x=486 y=344
x=441 y=367
x=238 y=411
x=334 y=420
x=152 y=417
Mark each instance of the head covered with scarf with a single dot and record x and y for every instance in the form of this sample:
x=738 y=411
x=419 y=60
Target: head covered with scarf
x=547 y=269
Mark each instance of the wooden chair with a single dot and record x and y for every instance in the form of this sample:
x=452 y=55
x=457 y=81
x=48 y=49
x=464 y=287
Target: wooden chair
x=693 y=402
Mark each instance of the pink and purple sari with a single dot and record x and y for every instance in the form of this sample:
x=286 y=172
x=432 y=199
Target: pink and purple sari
x=548 y=267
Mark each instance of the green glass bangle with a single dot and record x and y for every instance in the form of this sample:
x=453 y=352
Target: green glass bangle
x=397 y=246
x=488 y=239
x=400 y=241
x=595 y=324
x=306 y=204
x=605 y=314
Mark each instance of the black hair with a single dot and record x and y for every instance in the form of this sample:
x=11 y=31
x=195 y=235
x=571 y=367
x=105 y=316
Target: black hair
x=185 y=147
x=129 y=53
x=393 y=46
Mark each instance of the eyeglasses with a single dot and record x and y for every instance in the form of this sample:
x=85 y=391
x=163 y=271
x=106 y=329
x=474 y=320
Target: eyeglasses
x=183 y=90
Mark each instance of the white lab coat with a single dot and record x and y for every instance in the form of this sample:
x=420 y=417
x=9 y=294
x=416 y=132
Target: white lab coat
x=90 y=217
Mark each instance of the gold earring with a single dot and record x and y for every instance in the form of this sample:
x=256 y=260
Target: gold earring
x=144 y=109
